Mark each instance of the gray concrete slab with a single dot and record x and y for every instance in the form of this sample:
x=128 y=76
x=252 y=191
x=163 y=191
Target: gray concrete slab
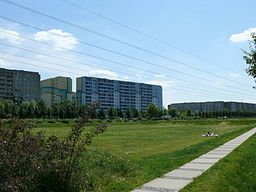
x=196 y=166
x=173 y=184
x=158 y=189
x=214 y=155
x=183 y=173
x=139 y=190
x=206 y=160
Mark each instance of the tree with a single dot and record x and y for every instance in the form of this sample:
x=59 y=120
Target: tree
x=172 y=112
x=41 y=109
x=153 y=111
x=128 y=114
x=134 y=113
x=111 y=113
x=101 y=114
x=120 y=113
x=250 y=57
x=165 y=111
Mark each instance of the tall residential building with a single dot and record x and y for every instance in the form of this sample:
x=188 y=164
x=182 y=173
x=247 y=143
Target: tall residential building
x=56 y=89
x=19 y=85
x=118 y=94
x=213 y=106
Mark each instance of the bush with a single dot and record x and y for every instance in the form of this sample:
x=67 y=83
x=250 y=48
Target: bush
x=33 y=162
x=65 y=121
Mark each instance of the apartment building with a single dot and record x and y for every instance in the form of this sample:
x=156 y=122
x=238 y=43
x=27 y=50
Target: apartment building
x=19 y=85
x=118 y=94
x=213 y=106
x=54 y=90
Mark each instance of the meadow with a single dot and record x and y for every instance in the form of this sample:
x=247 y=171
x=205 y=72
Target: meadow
x=131 y=153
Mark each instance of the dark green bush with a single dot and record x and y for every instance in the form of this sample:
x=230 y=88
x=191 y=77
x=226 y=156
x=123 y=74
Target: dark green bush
x=32 y=162
x=65 y=121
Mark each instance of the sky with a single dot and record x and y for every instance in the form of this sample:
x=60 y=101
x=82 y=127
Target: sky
x=193 y=49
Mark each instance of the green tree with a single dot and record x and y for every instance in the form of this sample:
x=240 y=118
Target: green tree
x=172 y=112
x=128 y=114
x=134 y=112
x=111 y=113
x=41 y=109
x=101 y=114
x=165 y=111
x=153 y=111
x=120 y=113
x=250 y=57
x=1 y=109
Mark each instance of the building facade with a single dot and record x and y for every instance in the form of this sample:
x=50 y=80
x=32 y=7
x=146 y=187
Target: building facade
x=213 y=106
x=118 y=94
x=54 y=90
x=19 y=85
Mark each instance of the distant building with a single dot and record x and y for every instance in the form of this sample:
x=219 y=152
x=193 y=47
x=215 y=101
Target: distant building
x=213 y=106
x=19 y=85
x=118 y=94
x=55 y=90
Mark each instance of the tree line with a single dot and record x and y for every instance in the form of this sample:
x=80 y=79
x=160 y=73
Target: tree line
x=70 y=109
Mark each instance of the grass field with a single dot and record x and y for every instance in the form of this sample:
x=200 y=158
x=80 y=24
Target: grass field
x=132 y=153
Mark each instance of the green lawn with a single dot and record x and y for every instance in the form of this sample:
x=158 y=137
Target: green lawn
x=132 y=153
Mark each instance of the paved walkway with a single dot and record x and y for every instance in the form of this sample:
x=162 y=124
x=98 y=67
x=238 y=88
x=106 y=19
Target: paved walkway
x=180 y=177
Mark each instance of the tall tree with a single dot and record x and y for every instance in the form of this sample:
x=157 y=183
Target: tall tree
x=41 y=109
x=154 y=111
x=111 y=113
x=101 y=114
x=250 y=57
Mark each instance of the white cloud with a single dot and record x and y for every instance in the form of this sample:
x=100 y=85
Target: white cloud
x=234 y=75
x=244 y=36
x=58 y=38
x=11 y=36
x=159 y=75
x=164 y=84
x=103 y=73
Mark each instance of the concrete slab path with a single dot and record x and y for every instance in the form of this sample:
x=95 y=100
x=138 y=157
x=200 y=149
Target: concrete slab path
x=180 y=177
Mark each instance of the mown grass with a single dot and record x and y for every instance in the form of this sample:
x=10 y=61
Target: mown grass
x=130 y=154
x=236 y=172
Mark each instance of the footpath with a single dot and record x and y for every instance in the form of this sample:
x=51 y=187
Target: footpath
x=182 y=176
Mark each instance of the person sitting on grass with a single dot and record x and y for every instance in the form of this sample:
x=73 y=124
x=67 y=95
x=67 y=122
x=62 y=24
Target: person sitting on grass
x=209 y=134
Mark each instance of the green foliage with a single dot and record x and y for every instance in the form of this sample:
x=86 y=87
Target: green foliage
x=154 y=111
x=111 y=113
x=120 y=113
x=128 y=114
x=33 y=162
x=101 y=114
x=250 y=57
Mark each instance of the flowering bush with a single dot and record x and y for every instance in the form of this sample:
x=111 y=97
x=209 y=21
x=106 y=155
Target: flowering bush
x=31 y=161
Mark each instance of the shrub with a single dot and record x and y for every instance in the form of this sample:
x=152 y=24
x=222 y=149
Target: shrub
x=33 y=162
x=65 y=121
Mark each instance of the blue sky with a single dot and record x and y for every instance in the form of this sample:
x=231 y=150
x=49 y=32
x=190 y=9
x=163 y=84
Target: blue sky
x=213 y=30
